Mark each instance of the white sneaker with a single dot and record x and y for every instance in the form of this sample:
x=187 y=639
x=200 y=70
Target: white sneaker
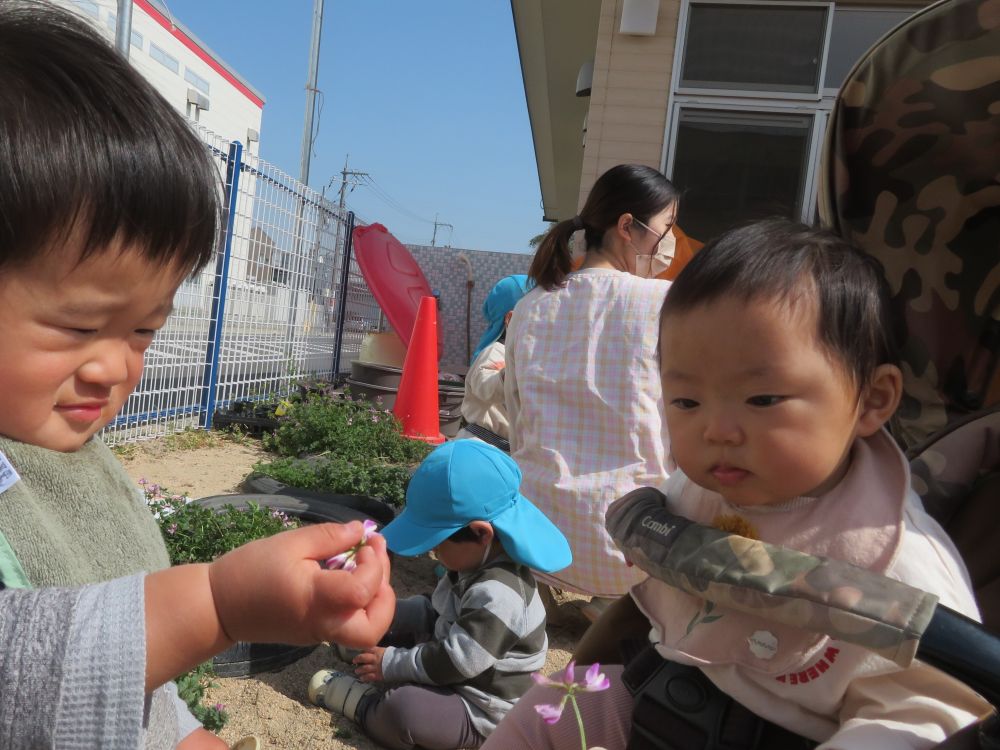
x=248 y=743
x=338 y=692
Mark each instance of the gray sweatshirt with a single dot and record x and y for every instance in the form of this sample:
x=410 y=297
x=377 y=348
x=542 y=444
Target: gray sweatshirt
x=72 y=671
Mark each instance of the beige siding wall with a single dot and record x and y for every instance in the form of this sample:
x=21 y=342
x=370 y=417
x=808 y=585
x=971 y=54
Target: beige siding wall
x=628 y=102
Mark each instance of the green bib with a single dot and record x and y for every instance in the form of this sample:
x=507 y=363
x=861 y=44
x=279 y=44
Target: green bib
x=73 y=518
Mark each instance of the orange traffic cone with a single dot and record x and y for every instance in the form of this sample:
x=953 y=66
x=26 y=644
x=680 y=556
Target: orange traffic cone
x=417 y=400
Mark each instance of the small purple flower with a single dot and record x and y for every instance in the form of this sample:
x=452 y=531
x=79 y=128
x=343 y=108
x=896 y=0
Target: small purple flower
x=551 y=713
x=172 y=529
x=219 y=707
x=346 y=559
x=144 y=481
x=593 y=681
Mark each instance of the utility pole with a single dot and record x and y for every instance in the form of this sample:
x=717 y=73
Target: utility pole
x=344 y=174
x=307 y=128
x=123 y=28
x=439 y=224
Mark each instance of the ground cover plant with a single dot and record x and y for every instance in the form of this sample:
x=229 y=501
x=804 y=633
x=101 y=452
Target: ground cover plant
x=194 y=534
x=344 y=446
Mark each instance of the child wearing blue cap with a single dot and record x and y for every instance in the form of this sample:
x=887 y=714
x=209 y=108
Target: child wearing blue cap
x=481 y=634
x=483 y=408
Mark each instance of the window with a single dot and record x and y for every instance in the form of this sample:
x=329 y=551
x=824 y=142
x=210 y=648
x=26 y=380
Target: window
x=736 y=166
x=89 y=7
x=196 y=80
x=164 y=58
x=854 y=32
x=137 y=39
x=753 y=84
x=754 y=47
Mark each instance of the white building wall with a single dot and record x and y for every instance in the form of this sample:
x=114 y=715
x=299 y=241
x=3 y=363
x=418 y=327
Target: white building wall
x=172 y=58
x=234 y=107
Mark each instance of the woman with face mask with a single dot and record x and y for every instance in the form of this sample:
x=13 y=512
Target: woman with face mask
x=582 y=385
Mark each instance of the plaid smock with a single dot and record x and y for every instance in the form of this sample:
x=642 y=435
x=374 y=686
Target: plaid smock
x=586 y=415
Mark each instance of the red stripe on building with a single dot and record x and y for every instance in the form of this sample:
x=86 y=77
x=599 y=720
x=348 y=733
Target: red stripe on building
x=202 y=55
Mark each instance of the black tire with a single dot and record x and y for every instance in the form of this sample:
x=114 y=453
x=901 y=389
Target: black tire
x=243 y=659
x=321 y=503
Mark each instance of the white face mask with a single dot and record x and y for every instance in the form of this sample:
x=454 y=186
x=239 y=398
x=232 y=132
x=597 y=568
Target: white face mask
x=648 y=265
x=664 y=255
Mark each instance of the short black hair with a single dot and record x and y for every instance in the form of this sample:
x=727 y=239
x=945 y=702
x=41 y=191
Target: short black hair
x=782 y=260
x=88 y=146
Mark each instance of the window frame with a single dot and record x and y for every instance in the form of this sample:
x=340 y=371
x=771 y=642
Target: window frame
x=818 y=105
x=683 y=23
x=176 y=69
x=199 y=79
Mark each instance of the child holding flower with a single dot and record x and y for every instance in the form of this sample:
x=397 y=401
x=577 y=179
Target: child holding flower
x=108 y=201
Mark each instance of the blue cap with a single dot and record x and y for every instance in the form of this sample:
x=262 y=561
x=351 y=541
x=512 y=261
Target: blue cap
x=468 y=480
x=500 y=301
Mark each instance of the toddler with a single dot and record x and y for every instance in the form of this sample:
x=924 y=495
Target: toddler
x=107 y=202
x=779 y=373
x=475 y=642
x=483 y=408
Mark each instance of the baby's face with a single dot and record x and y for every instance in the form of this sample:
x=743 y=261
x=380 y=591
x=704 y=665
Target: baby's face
x=756 y=409
x=72 y=339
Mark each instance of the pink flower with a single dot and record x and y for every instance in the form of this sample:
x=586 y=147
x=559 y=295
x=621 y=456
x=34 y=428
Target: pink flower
x=593 y=681
x=346 y=559
x=551 y=713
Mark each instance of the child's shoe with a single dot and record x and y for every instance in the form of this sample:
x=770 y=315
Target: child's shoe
x=338 y=692
x=248 y=743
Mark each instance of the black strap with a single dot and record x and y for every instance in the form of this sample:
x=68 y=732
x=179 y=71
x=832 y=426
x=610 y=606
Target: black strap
x=678 y=708
x=488 y=436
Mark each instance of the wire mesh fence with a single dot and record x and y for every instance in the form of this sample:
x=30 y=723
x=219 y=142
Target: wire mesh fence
x=273 y=306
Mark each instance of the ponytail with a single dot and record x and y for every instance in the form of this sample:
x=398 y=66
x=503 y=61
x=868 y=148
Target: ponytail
x=553 y=261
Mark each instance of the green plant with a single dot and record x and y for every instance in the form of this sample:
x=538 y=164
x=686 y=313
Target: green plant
x=191 y=688
x=336 y=474
x=194 y=533
x=358 y=431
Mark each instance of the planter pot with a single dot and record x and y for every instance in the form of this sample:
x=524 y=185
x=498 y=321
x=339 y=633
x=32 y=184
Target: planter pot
x=389 y=377
x=449 y=396
x=243 y=659
x=253 y=418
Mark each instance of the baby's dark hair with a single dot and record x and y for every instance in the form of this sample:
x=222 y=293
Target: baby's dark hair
x=87 y=146
x=782 y=260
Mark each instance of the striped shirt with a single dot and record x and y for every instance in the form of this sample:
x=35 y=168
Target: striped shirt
x=489 y=636
x=586 y=412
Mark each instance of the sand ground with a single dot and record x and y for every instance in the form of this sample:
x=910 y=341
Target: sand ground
x=274 y=705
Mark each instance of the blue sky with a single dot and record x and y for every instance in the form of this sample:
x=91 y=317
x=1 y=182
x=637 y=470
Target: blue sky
x=426 y=97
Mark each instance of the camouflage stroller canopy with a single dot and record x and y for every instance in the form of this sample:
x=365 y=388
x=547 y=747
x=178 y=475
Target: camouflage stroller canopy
x=911 y=174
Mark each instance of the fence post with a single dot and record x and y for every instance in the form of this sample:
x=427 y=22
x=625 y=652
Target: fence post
x=210 y=382
x=345 y=281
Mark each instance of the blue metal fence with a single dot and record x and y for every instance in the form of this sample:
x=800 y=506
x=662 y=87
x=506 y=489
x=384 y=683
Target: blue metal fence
x=282 y=299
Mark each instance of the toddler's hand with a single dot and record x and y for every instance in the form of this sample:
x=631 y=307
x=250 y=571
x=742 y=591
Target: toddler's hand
x=274 y=590
x=499 y=365
x=370 y=665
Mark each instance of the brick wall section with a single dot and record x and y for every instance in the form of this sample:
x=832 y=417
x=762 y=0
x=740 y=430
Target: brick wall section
x=447 y=274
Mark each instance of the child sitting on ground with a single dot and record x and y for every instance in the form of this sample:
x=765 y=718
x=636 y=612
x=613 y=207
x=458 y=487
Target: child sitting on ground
x=779 y=372
x=483 y=408
x=108 y=201
x=476 y=641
